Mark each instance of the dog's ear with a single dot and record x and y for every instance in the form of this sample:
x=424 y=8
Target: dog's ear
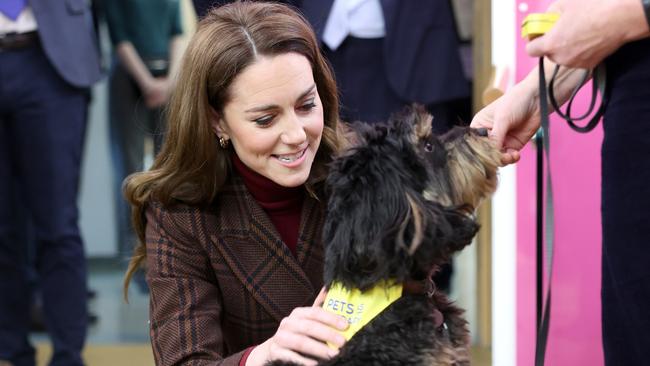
x=363 y=133
x=411 y=124
x=363 y=221
x=370 y=221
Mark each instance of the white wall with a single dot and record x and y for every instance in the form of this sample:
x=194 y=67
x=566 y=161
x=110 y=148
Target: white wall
x=96 y=198
x=504 y=220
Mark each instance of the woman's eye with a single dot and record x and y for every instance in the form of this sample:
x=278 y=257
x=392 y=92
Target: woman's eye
x=264 y=121
x=307 y=106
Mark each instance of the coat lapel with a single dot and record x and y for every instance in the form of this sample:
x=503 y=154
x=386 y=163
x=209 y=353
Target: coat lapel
x=254 y=251
x=309 y=250
x=390 y=11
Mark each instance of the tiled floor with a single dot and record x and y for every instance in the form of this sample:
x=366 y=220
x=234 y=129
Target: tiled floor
x=118 y=322
x=120 y=336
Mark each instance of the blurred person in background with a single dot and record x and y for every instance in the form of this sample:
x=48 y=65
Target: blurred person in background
x=387 y=54
x=616 y=33
x=147 y=41
x=48 y=61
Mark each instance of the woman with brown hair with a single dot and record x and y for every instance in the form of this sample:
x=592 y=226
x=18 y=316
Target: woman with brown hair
x=229 y=217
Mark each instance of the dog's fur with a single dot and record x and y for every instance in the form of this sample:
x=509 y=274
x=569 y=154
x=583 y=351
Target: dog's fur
x=401 y=203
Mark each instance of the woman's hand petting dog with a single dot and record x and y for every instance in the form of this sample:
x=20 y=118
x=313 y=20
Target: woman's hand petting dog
x=302 y=337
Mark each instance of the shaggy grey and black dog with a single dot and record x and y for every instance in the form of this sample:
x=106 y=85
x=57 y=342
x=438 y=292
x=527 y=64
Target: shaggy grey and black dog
x=401 y=202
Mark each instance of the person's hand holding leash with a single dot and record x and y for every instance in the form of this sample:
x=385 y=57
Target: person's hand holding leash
x=589 y=30
x=586 y=32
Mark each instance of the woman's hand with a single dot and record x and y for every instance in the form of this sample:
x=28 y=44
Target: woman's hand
x=302 y=337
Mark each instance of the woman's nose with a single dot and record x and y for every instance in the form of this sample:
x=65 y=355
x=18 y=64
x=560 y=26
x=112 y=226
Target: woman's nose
x=293 y=131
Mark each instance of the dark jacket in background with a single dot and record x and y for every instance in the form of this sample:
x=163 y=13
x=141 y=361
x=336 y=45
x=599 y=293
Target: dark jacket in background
x=202 y=6
x=67 y=39
x=421 y=48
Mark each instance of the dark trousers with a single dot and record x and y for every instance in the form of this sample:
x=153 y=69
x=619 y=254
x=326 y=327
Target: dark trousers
x=130 y=122
x=366 y=95
x=42 y=126
x=626 y=208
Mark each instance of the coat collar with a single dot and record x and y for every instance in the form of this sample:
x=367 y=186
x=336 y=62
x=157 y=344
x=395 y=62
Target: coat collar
x=254 y=251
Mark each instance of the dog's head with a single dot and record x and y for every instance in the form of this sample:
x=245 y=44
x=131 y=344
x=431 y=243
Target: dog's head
x=402 y=200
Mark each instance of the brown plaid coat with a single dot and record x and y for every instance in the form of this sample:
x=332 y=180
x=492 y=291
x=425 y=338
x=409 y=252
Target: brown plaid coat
x=221 y=278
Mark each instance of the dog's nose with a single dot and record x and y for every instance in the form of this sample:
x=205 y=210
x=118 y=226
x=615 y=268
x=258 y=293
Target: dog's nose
x=483 y=132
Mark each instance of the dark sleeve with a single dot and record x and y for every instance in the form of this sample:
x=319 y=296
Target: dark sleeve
x=185 y=301
x=115 y=20
x=176 y=22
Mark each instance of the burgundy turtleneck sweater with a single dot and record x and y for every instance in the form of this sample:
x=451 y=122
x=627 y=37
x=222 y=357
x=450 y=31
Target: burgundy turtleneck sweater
x=283 y=205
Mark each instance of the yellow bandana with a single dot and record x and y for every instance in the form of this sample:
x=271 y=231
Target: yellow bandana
x=359 y=308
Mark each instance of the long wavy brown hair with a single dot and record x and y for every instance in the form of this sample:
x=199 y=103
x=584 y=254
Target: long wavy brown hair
x=191 y=168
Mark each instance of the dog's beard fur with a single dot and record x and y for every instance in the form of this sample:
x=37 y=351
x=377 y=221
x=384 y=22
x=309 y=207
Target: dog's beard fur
x=469 y=173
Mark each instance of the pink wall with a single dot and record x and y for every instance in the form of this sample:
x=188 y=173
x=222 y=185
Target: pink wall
x=575 y=334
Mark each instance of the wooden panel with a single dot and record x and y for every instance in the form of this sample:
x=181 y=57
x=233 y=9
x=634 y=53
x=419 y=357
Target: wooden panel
x=482 y=56
x=128 y=354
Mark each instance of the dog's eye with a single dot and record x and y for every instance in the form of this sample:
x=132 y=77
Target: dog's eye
x=428 y=147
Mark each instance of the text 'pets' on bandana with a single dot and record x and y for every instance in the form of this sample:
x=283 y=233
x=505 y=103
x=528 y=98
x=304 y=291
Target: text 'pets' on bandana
x=359 y=308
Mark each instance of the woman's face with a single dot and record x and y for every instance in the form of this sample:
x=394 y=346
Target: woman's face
x=274 y=119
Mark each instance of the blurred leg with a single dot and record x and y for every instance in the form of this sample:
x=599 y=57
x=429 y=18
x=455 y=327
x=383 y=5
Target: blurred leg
x=625 y=203
x=127 y=145
x=49 y=127
x=14 y=282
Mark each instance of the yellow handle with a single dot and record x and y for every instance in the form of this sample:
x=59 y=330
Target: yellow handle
x=536 y=24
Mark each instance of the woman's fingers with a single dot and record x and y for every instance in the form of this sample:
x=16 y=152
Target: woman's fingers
x=320 y=299
x=305 y=333
x=316 y=323
x=319 y=332
x=303 y=344
x=321 y=315
x=281 y=353
x=308 y=330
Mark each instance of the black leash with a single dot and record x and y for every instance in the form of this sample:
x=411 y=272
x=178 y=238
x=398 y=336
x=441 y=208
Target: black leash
x=545 y=209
